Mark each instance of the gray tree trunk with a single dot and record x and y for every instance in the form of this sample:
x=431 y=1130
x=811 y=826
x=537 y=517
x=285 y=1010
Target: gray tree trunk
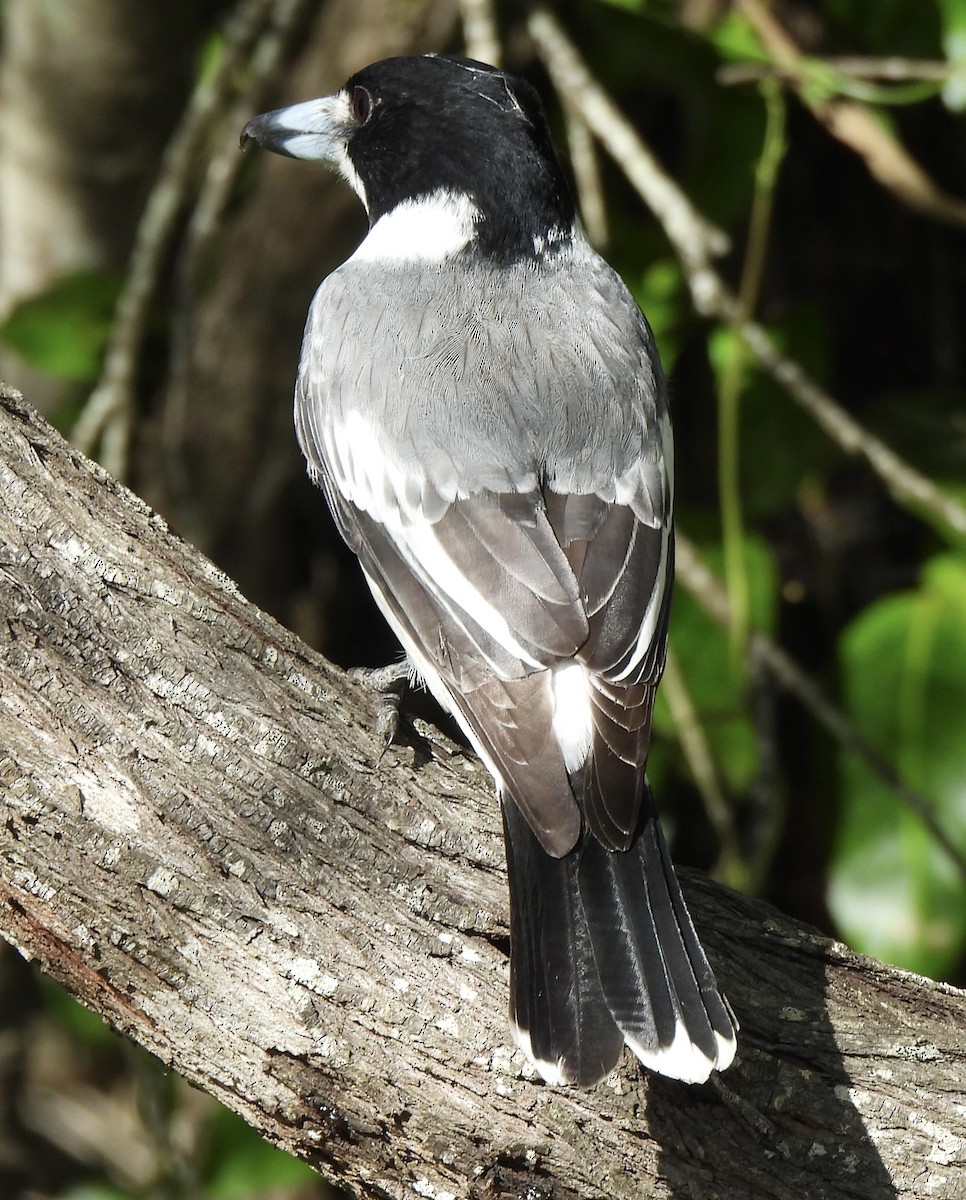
x=201 y=841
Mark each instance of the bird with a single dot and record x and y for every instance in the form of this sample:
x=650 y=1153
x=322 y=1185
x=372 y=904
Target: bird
x=481 y=401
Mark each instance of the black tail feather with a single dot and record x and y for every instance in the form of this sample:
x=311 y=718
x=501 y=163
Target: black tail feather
x=603 y=951
x=717 y=1010
x=558 y=1013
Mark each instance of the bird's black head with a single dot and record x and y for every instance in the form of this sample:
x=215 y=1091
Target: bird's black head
x=407 y=129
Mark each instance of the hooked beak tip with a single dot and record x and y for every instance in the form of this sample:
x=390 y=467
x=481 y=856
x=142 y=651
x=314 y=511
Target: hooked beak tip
x=298 y=131
x=267 y=132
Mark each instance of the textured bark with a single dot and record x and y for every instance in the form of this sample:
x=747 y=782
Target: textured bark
x=201 y=840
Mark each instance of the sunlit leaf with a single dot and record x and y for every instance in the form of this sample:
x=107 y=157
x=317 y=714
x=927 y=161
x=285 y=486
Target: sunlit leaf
x=735 y=39
x=953 y=15
x=892 y=889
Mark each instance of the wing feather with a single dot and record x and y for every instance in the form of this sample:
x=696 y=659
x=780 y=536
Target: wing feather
x=533 y=532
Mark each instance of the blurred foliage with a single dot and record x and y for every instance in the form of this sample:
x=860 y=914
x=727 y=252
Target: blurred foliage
x=64 y=331
x=239 y=1165
x=717 y=684
x=868 y=296
x=893 y=890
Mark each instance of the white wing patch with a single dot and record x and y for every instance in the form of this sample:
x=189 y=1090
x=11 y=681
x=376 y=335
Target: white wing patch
x=370 y=477
x=573 y=723
x=368 y=474
x=420 y=546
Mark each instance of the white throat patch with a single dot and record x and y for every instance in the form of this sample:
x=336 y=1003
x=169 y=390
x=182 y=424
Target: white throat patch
x=430 y=229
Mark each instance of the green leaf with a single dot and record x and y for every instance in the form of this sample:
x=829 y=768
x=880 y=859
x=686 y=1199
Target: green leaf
x=64 y=331
x=662 y=294
x=243 y=1165
x=893 y=891
x=953 y=17
x=735 y=39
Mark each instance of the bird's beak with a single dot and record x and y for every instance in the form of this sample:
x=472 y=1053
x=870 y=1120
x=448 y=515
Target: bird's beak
x=317 y=129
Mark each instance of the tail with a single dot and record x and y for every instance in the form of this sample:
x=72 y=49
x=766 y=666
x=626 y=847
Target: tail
x=603 y=952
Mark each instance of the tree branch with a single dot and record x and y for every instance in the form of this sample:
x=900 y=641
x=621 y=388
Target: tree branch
x=201 y=841
x=696 y=244
x=854 y=124
x=108 y=415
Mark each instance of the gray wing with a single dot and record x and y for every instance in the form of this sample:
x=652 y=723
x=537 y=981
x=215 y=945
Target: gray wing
x=496 y=561
x=625 y=571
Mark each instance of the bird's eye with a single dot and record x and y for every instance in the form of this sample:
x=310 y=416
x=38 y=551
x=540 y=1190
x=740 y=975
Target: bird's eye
x=361 y=105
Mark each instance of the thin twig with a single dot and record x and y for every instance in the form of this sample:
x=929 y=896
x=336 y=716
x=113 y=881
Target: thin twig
x=700 y=758
x=108 y=415
x=888 y=70
x=682 y=222
x=853 y=123
x=704 y=585
x=907 y=485
x=696 y=242
x=899 y=70
x=586 y=169
x=480 y=31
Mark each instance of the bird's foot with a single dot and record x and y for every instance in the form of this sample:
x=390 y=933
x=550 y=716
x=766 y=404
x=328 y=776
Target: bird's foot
x=388 y=685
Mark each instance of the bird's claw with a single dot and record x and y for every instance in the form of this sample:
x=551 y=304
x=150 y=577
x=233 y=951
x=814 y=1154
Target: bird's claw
x=388 y=685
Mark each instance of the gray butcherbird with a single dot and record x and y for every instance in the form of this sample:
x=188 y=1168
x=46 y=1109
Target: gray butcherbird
x=482 y=403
